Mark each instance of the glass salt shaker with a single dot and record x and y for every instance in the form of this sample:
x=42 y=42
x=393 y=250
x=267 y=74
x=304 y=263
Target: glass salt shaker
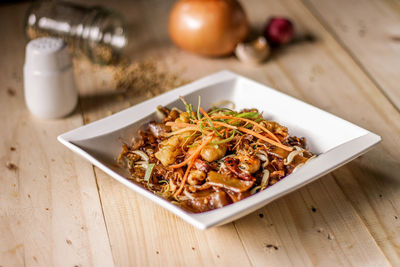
x=98 y=32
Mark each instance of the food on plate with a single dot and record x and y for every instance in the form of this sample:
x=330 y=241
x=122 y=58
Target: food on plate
x=208 y=27
x=206 y=160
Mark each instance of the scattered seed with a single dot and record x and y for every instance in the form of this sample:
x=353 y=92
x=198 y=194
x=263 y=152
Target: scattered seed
x=145 y=78
x=10 y=91
x=69 y=242
x=395 y=38
x=193 y=248
x=11 y=166
x=313 y=209
x=12 y=148
x=380 y=195
x=396 y=217
x=330 y=237
x=271 y=246
x=157 y=252
x=261 y=215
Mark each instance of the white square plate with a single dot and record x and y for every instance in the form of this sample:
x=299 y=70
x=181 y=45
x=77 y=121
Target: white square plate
x=335 y=140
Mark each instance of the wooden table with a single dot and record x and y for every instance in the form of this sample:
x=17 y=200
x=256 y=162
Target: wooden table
x=58 y=210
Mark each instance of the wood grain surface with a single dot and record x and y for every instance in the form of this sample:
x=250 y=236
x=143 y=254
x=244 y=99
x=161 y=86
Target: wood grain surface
x=58 y=210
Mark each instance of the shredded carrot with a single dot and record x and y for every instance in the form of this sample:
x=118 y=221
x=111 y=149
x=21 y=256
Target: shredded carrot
x=195 y=153
x=259 y=136
x=224 y=124
x=194 y=128
x=185 y=178
x=252 y=122
x=205 y=114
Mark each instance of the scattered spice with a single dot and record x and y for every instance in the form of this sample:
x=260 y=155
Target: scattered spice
x=261 y=215
x=157 y=252
x=271 y=246
x=68 y=242
x=29 y=196
x=145 y=78
x=11 y=166
x=396 y=217
x=10 y=91
x=193 y=248
x=330 y=237
x=304 y=38
x=12 y=148
x=380 y=195
x=395 y=38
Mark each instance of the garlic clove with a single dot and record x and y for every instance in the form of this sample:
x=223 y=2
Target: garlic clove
x=254 y=52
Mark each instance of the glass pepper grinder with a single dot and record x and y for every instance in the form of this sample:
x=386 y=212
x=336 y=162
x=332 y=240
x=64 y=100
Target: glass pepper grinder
x=96 y=31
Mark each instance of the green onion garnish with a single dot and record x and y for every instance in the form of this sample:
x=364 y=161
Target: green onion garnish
x=149 y=170
x=248 y=115
x=198 y=109
x=225 y=140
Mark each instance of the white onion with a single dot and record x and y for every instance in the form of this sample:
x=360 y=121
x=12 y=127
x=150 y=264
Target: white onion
x=262 y=157
x=265 y=179
x=159 y=114
x=254 y=190
x=291 y=156
x=141 y=154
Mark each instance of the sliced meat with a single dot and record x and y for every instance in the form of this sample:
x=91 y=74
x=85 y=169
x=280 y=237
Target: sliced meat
x=231 y=165
x=237 y=196
x=201 y=165
x=206 y=200
x=158 y=129
x=228 y=182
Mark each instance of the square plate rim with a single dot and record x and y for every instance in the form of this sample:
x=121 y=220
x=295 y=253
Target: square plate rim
x=231 y=212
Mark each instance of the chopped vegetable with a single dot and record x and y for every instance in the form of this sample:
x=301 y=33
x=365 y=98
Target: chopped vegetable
x=252 y=122
x=195 y=153
x=149 y=170
x=265 y=139
x=205 y=160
